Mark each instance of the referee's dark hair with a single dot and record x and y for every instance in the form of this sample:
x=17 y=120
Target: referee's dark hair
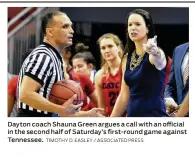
x=47 y=19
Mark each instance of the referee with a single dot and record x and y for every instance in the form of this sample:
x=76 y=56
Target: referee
x=43 y=67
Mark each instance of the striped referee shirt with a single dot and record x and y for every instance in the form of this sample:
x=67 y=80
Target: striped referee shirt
x=44 y=65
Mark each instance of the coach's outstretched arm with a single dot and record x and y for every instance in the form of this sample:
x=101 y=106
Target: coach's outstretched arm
x=124 y=96
x=29 y=95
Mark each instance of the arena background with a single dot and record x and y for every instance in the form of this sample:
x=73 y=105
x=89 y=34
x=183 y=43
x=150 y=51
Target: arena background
x=89 y=23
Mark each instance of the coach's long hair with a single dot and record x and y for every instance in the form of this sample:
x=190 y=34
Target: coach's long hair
x=117 y=41
x=130 y=46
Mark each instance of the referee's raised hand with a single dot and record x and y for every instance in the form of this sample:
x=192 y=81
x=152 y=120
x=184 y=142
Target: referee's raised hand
x=69 y=109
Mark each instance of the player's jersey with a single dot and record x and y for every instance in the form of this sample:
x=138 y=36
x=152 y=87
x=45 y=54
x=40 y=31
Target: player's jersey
x=12 y=86
x=111 y=85
x=87 y=86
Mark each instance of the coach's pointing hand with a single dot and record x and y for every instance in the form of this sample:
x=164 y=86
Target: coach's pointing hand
x=151 y=46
